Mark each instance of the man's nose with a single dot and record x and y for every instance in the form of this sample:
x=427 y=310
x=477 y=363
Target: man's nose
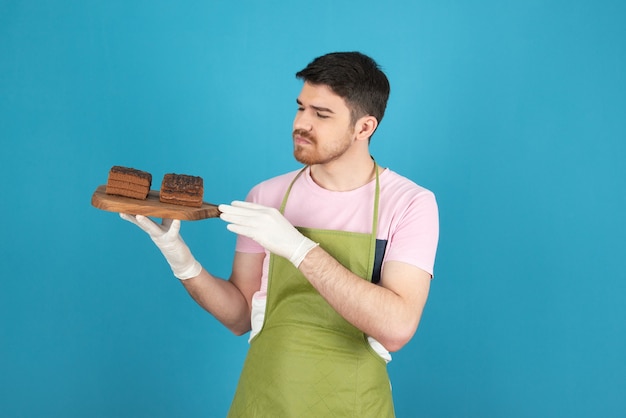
x=302 y=121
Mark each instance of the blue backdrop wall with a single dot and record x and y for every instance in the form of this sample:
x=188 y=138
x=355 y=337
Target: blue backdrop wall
x=512 y=112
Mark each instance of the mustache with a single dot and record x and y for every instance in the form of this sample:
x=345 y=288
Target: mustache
x=304 y=134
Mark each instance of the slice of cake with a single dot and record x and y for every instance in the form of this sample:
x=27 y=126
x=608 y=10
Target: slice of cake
x=181 y=189
x=128 y=182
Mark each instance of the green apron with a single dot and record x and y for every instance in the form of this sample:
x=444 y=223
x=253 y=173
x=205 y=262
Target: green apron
x=307 y=361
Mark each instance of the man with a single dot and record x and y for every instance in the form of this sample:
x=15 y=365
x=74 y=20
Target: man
x=333 y=262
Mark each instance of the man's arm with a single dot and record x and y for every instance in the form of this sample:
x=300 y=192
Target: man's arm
x=389 y=312
x=229 y=301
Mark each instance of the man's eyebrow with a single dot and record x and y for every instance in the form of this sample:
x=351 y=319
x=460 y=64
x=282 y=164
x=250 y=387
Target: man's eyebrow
x=317 y=108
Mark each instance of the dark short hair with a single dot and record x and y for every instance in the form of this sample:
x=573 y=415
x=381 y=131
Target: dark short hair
x=353 y=76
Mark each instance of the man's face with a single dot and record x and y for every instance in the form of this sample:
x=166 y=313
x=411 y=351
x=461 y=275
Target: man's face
x=322 y=128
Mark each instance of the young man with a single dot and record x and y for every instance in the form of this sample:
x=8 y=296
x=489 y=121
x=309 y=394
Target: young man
x=333 y=262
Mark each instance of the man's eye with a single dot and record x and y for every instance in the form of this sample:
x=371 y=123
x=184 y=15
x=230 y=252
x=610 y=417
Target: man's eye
x=322 y=116
x=300 y=108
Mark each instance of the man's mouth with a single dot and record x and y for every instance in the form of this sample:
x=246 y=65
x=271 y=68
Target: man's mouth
x=302 y=137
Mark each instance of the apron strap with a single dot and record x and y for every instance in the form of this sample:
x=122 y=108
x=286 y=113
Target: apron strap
x=284 y=202
x=374 y=233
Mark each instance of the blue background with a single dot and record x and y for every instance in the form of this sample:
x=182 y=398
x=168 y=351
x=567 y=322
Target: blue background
x=512 y=112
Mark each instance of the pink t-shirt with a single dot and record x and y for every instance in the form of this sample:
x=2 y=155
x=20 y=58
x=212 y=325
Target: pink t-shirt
x=408 y=215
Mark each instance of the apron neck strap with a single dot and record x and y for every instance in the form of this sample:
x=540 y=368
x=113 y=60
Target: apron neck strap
x=376 y=197
x=284 y=202
x=374 y=232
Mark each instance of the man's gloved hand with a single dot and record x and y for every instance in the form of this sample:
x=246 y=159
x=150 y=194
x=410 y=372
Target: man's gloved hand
x=268 y=227
x=169 y=241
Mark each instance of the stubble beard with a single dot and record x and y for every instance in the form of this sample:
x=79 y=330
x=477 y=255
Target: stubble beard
x=308 y=156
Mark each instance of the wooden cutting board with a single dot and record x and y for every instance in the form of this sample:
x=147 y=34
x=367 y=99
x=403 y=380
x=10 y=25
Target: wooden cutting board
x=151 y=206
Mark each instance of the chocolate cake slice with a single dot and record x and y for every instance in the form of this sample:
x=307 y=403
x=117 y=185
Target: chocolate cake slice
x=182 y=189
x=128 y=182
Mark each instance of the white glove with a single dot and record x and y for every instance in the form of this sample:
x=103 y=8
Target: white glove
x=269 y=228
x=171 y=244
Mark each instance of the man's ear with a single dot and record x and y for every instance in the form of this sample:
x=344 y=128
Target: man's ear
x=365 y=127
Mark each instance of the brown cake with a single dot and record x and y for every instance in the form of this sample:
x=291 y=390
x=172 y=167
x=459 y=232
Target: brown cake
x=181 y=189
x=128 y=182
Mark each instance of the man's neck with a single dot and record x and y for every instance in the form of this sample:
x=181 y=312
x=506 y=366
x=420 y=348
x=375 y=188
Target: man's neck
x=339 y=176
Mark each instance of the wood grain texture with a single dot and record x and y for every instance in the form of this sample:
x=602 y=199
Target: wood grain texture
x=151 y=206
